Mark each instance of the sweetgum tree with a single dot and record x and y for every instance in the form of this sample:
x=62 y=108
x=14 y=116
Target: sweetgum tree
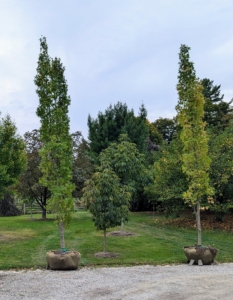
x=195 y=158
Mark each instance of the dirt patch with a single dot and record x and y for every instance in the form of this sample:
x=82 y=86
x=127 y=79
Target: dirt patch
x=106 y=255
x=121 y=233
x=7 y=236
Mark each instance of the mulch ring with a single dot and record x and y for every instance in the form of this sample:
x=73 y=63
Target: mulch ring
x=121 y=233
x=106 y=255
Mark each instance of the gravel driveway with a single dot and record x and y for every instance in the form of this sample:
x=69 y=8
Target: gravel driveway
x=139 y=282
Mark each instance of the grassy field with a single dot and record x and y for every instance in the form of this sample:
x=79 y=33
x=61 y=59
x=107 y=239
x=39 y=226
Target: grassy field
x=24 y=241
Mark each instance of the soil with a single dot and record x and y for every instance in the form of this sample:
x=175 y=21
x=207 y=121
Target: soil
x=106 y=255
x=121 y=233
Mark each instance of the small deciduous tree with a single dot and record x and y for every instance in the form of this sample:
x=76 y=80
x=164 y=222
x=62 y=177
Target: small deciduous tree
x=29 y=186
x=56 y=153
x=106 y=198
x=195 y=158
x=127 y=163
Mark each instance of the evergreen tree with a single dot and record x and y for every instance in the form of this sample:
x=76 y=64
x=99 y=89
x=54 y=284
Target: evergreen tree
x=117 y=119
x=217 y=113
x=56 y=153
x=195 y=158
x=12 y=155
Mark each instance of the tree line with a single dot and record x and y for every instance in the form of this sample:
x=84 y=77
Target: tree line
x=127 y=162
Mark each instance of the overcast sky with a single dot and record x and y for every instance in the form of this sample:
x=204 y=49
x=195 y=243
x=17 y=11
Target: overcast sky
x=113 y=50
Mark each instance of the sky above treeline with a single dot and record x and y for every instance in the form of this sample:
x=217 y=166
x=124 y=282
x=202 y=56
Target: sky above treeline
x=124 y=50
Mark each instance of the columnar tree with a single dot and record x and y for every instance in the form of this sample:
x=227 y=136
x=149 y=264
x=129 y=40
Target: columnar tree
x=56 y=153
x=195 y=158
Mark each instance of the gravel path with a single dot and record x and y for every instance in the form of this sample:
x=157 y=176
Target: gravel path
x=139 y=282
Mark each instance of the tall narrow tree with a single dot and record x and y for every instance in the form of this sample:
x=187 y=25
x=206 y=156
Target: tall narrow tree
x=195 y=158
x=56 y=153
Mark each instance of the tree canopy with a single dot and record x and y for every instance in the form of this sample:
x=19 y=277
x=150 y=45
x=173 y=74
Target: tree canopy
x=106 y=198
x=29 y=186
x=12 y=155
x=217 y=113
x=117 y=119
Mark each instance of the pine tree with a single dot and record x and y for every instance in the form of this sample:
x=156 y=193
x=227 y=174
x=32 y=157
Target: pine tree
x=56 y=153
x=195 y=158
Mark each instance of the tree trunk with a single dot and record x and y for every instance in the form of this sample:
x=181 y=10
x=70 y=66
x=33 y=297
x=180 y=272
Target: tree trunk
x=62 y=236
x=122 y=225
x=31 y=209
x=198 y=222
x=104 y=239
x=44 y=213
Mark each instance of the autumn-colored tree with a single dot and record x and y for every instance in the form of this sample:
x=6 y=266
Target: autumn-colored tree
x=195 y=158
x=56 y=153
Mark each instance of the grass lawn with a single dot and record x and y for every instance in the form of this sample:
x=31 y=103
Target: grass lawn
x=24 y=241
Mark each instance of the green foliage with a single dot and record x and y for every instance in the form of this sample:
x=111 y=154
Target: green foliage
x=170 y=182
x=129 y=165
x=126 y=161
x=28 y=186
x=56 y=153
x=82 y=168
x=12 y=155
x=106 y=199
x=221 y=170
x=190 y=110
x=56 y=168
x=166 y=127
x=154 y=134
x=116 y=120
x=217 y=112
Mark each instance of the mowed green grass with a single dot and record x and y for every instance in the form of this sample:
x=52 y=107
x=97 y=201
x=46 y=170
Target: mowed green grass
x=24 y=241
